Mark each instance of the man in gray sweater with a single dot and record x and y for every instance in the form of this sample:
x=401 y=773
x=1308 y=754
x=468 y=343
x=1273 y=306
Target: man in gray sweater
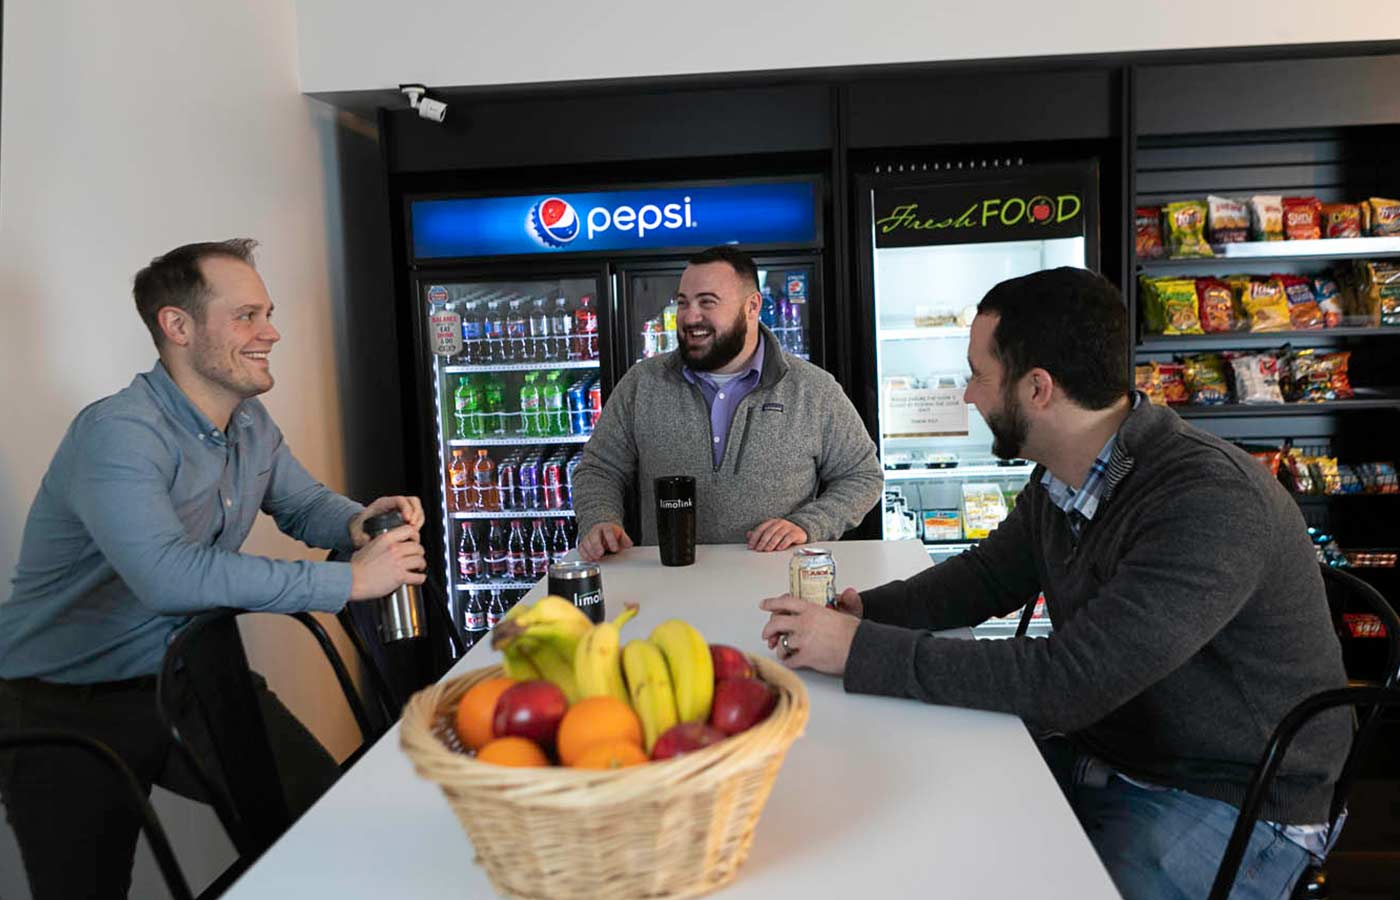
x=779 y=455
x=1189 y=613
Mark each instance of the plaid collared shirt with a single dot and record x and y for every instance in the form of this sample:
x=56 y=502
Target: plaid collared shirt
x=1110 y=467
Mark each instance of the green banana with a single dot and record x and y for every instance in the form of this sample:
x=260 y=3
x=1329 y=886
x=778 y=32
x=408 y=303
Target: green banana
x=517 y=666
x=649 y=685
x=692 y=669
x=543 y=638
x=598 y=659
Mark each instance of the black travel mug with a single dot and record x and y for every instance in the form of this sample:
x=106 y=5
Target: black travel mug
x=675 y=519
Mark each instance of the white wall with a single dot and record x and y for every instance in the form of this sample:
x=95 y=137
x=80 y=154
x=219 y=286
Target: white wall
x=351 y=45
x=159 y=123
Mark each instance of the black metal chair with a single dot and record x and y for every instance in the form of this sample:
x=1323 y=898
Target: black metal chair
x=155 y=835
x=205 y=685
x=1367 y=700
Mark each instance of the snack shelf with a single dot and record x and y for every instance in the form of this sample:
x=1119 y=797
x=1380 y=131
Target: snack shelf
x=521 y=367
x=1229 y=340
x=517 y=441
x=515 y=514
x=959 y=472
x=1365 y=400
x=1324 y=249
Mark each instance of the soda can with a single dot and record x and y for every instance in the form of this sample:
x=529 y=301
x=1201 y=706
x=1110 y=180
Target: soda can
x=812 y=576
x=595 y=402
x=581 y=583
x=506 y=483
x=569 y=467
x=552 y=483
x=528 y=483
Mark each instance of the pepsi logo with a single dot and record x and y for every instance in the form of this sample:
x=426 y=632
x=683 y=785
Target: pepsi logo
x=552 y=222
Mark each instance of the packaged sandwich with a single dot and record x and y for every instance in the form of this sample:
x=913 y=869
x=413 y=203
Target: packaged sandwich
x=1302 y=218
x=984 y=508
x=1341 y=220
x=1303 y=310
x=1266 y=217
x=1185 y=229
x=1228 y=220
x=1256 y=377
x=1147 y=221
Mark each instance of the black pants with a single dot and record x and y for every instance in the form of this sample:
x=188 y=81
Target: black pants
x=76 y=831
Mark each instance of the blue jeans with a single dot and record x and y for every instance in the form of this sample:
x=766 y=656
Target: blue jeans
x=1167 y=844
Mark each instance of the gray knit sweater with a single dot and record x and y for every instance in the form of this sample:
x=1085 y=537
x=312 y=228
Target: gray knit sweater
x=797 y=450
x=1188 y=619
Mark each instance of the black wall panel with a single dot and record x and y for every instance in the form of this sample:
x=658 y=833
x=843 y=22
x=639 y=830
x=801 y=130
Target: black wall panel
x=1267 y=96
x=583 y=129
x=979 y=108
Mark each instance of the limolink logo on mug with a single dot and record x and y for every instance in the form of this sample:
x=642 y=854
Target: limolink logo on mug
x=676 y=504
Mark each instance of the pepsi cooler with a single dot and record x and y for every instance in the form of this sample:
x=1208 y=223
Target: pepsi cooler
x=527 y=309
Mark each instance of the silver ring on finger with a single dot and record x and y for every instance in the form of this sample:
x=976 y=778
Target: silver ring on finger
x=784 y=642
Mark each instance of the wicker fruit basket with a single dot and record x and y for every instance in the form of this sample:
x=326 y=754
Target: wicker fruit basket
x=678 y=828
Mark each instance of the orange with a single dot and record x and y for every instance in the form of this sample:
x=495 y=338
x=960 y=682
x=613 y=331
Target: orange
x=594 y=721
x=476 y=710
x=612 y=754
x=513 y=751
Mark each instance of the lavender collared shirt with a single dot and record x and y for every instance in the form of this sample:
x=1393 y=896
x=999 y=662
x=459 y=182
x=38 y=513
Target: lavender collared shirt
x=723 y=399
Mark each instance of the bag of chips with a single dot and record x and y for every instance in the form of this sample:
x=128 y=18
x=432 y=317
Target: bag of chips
x=1341 y=220
x=1171 y=306
x=1185 y=229
x=1215 y=303
x=1228 y=219
x=1302 y=218
x=1172 y=376
x=1329 y=300
x=1327 y=476
x=1147 y=379
x=1206 y=383
x=1349 y=480
x=1147 y=221
x=1256 y=377
x=1270 y=459
x=1303 y=310
x=1295 y=466
x=1265 y=304
x=1383 y=219
x=1266 y=217
x=1318 y=377
x=1382 y=283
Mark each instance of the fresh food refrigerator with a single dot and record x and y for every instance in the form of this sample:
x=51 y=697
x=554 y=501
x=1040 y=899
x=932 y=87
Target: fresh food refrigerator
x=527 y=309
x=932 y=245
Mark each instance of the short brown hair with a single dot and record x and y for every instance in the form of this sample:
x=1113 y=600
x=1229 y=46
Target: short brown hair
x=175 y=279
x=738 y=260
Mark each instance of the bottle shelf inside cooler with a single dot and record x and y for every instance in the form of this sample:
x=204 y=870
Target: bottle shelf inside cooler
x=958 y=473
x=515 y=514
x=520 y=367
x=503 y=585
x=516 y=441
x=937 y=332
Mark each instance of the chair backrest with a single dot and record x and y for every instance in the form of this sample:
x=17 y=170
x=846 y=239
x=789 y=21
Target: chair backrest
x=1368 y=701
x=135 y=795
x=208 y=701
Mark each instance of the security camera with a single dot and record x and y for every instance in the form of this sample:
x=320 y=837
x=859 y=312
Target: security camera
x=428 y=108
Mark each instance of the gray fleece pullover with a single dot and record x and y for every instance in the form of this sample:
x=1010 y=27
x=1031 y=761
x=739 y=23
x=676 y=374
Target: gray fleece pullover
x=1188 y=619
x=797 y=450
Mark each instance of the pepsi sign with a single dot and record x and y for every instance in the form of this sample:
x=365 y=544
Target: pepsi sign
x=782 y=212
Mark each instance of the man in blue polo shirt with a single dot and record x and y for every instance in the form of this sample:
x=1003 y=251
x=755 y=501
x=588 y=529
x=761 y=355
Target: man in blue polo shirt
x=136 y=528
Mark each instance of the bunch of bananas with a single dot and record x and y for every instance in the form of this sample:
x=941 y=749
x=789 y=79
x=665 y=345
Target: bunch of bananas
x=667 y=677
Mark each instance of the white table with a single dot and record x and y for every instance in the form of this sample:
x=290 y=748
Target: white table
x=880 y=798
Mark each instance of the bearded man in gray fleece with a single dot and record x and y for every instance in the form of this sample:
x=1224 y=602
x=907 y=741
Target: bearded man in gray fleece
x=779 y=455
x=1188 y=609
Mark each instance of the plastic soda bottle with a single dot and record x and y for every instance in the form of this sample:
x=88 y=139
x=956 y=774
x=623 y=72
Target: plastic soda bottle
x=484 y=478
x=530 y=405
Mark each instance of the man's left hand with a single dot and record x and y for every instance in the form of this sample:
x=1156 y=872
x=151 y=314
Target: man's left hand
x=411 y=508
x=816 y=637
x=775 y=534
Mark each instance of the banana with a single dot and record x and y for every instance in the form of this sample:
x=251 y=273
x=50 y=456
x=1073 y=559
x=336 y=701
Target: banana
x=543 y=638
x=692 y=669
x=598 y=660
x=649 y=685
x=517 y=666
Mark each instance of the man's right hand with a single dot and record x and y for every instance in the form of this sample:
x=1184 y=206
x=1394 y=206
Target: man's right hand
x=602 y=539
x=850 y=603
x=379 y=567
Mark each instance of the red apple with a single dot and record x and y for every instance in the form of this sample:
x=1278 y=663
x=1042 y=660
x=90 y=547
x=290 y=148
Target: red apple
x=730 y=662
x=530 y=709
x=684 y=738
x=741 y=703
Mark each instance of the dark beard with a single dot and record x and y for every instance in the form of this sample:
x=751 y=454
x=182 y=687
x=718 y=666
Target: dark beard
x=722 y=351
x=1009 y=429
